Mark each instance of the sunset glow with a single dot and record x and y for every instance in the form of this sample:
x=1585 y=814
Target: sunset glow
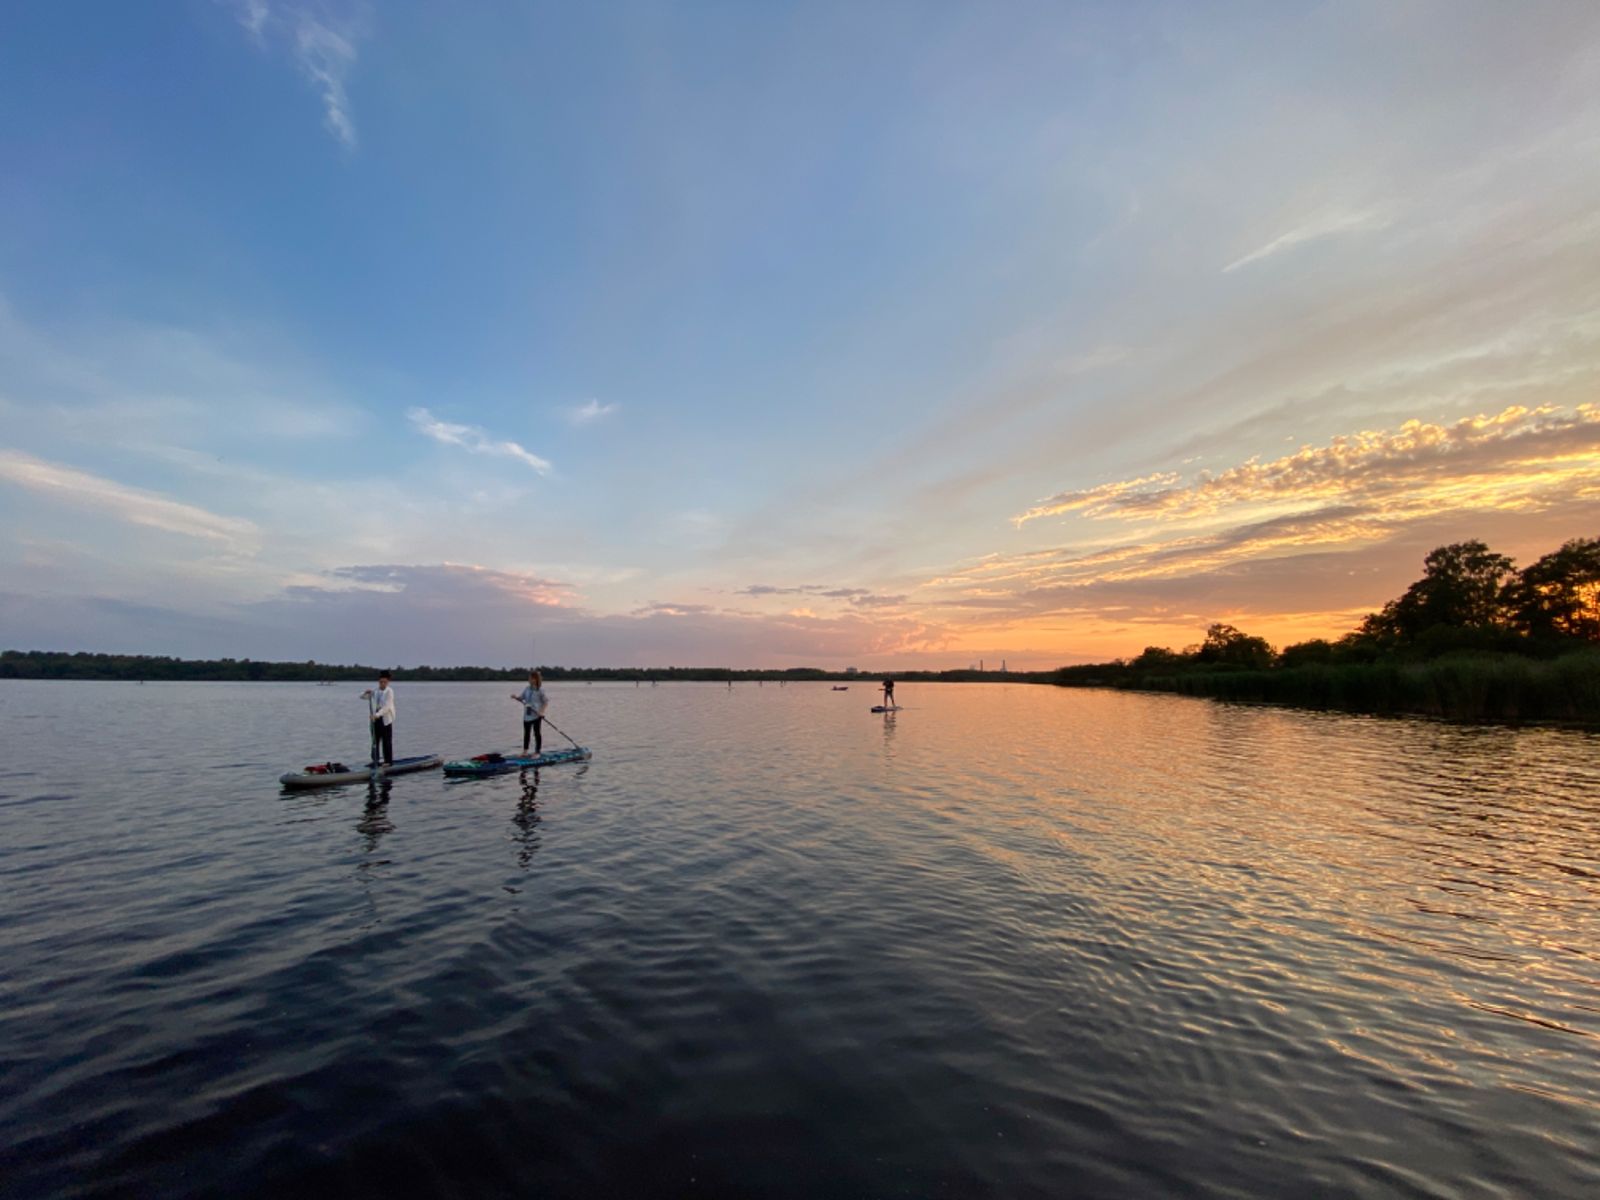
x=883 y=336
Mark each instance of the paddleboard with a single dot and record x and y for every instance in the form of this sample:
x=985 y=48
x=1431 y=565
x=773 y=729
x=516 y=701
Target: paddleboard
x=890 y=708
x=330 y=773
x=498 y=764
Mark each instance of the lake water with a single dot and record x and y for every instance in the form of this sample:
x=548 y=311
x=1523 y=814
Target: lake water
x=1011 y=941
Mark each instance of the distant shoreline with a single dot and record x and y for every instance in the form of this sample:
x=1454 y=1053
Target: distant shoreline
x=103 y=668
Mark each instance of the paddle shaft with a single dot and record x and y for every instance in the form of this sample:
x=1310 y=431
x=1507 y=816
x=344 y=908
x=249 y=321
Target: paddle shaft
x=552 y=725
x=372 y=729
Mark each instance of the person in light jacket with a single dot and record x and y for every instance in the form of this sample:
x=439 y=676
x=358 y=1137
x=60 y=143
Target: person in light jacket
x=382 y=719
x=534 y=702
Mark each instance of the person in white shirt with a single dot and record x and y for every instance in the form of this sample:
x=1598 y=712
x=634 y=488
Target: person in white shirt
x=534 y=702
x=382 y=719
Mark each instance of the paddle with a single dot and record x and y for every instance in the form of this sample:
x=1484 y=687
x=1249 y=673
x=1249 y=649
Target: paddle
x=547 y=721
x=372 y=727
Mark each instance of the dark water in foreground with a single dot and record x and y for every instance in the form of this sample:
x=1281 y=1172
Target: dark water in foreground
x=1013 y=941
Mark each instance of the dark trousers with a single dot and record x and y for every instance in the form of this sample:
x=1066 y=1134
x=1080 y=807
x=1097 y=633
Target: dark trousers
x=383 y=741
x=536 y=727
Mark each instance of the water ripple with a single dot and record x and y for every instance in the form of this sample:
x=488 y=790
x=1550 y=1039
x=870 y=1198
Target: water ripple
x=1012 y=941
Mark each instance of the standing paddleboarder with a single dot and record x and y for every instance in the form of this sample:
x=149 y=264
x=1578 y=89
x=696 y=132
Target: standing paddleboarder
x=534 y=702
x=888 y=693
x=382 y=719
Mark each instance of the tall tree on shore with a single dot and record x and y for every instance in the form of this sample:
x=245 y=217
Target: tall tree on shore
x=1463 y=586
x=1232 y=647
x=1560 y=594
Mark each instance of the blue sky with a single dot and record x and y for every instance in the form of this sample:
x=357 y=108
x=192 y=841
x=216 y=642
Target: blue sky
x=759 y=334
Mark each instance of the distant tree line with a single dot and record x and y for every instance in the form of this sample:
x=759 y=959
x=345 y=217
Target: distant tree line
x=51 y=664
x=1473 y=638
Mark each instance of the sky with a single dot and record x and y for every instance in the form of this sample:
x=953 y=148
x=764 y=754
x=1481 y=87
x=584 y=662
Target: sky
x=890 y=335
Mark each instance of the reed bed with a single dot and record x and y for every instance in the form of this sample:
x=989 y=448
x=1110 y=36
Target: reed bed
x=1458 y=687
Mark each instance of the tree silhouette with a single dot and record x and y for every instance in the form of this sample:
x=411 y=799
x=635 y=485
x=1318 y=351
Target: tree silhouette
x=1560 y=594
x=1156 y=658
x=1228 y=646
x=1463 y=586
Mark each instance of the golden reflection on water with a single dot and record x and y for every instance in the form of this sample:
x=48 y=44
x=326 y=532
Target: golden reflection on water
x=1283 y=858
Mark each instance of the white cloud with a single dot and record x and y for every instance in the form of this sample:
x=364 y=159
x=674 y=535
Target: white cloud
x=1321 y=225
x=323 y=50
x=1097 y=359
x=325 y=57
x=589 y=412
x=134 y=505
x=471 y=438
x=253 y=15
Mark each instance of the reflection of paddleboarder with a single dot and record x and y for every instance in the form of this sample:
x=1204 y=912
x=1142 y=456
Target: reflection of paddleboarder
x=382 y=719
x=888 y=693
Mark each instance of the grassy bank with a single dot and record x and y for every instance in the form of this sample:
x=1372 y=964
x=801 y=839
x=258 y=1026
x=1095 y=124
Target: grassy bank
x=1458 y=687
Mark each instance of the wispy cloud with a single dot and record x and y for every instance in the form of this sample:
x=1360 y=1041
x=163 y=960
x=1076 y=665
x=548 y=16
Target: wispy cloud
x=801 y=589
x=325 y=57
x=857 y=597
x=1105 y=493
x=473 y=439
x=253 y=15
x=878 y=601
x=659 y=609
x=589 y=412
x=1097 y=359
x=996 y=580
x=1323 y=224
x=323 y=48
x=425 y=583
x=80 y=489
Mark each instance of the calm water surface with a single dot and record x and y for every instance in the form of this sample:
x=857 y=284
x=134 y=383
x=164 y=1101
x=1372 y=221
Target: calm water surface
x=1012 y=941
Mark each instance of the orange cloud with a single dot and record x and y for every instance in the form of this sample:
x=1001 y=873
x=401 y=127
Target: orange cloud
x=1296 y=547
x=1497 y=460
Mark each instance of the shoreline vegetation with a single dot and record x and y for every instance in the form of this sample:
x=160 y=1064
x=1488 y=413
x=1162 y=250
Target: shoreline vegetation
x=55 y=664
x=1473 y=640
